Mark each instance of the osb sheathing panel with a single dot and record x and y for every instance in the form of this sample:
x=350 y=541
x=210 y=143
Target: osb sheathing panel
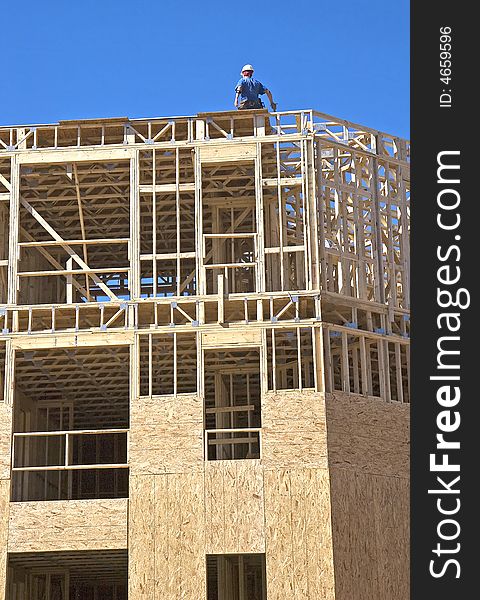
x=5 y=440
x=298 y=535
x=68 y=525
x=141 y=536
x=234 y=507
x=166 y=537
x=4 y=510
x=166 y=435
x=368 y=435
x=294 y=431
x=370 y=520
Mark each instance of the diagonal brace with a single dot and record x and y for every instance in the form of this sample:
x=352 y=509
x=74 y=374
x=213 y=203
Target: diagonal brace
x=67 y=248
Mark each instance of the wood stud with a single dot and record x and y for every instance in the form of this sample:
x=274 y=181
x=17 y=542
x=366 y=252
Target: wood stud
x=134 y=251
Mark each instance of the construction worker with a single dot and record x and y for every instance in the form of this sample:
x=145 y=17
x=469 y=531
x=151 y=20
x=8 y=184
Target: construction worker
x=248 y=90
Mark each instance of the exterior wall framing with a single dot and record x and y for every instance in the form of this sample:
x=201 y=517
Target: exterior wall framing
x=253 y=269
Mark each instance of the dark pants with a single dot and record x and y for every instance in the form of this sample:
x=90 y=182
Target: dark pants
x=251 y=104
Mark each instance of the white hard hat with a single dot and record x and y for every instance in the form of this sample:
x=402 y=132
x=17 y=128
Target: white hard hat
x=247 y=68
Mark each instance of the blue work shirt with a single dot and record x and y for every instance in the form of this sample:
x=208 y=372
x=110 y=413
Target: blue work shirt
x=249 y=89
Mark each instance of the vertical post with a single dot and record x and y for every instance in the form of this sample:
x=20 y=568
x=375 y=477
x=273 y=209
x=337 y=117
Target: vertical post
x=344 y=364
x=154 y=225
x=328 y=371
x=386 y=370
x=129 y=134
x=221 y=298
x=200 y=367
x=199 y=129
x=260 y=258
x=305 y=222
x=369 y=367
x=280 y=218
x=320 y=212
x=377 y=236
x=14 y=226
x=274 y=360
x=67 y=449
x=134 y=247
x=69 y=284
x=177 y=211
x=201 y=283
x=175 y=363
x=318 y=359
x=311 y=206
x=67 y=585
x=398 y=370
x=241 y=578
x=259 y=121
x=263 y=365
x=21 y=145
x=150 y=365
x=404 y=245
x=363 y=365
x=299 y=359
x=8 y=390
x=356 y=372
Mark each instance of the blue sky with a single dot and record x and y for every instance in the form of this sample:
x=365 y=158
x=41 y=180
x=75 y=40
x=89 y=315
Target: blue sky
x=77 y=59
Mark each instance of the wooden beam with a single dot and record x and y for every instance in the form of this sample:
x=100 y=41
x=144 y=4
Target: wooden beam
x=68 y=249
x=82 y=225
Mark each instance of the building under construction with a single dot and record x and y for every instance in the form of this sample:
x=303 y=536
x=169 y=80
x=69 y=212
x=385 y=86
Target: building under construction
x=204 y=359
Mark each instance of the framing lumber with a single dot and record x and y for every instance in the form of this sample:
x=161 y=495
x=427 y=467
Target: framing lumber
x=207 y=315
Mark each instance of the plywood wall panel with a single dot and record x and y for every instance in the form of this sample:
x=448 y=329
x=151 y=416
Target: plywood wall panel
x=278 y=533
x=166 y=537
x=313 y=488
x=161 y=528
x=294 y=430
x=214 y=508
x=179 y=536
x=234 y=515
x=141 y=536
x=4 y=511
x=230 y=506
x=84 y=524
x=298 y=534
x=368 y=435
x=190 y=494
x=370 y=519
x=5 y=439
x=166 y=434
x=250 y=517
x=391 y=502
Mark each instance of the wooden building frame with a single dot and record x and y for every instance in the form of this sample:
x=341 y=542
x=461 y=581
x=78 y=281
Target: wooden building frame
x=204 y=290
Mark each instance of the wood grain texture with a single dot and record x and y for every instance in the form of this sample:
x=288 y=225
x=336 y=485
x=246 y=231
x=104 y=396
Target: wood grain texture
x=183 y=574
x=141 y=536
x=370 y=520
x=67 y=525
x=5 y=439
x=4 y=510
x=166 y=435
x=234 y=503
x=368 y=435
x=227 y=153
x=298 y=534
x=166 y=537
x=73 y=340
x=294 y=430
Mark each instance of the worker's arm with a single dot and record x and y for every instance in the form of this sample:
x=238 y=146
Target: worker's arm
x=237 y=96
x=270 y=99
